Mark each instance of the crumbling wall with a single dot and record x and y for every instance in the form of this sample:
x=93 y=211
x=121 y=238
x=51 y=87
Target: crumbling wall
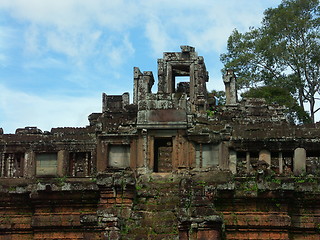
x=171 y=165
x=189 y=205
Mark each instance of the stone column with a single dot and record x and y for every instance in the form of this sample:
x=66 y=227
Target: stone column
x=224 y=155
x=29 y=164
x=169 y=79
x=280 y=163
x=133 y=153
x=143 y=153
x=191 y=153
x=150 y=152
x=140 y=154
x=248 y=162
x=230 y=87
x=125 y=99
x=233 y=161
x=137 y=75
x=102 y=150
x=62 y=163
x=299 y=161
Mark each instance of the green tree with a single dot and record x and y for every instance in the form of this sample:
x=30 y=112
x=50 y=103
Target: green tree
x=283 y=52
x=281 y=96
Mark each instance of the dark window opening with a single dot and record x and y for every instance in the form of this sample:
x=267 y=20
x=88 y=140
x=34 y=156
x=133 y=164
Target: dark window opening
x=313 y=162
x=162 y=155
x=79 y=164
x=12 y=165
x=275 y=162
x=254 y=158
x=241 y=162
x=287 y=158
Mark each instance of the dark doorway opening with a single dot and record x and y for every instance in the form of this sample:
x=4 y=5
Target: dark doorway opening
x=162 y=155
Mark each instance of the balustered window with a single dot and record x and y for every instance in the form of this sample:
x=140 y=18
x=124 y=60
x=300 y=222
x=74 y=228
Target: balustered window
x=11 y=164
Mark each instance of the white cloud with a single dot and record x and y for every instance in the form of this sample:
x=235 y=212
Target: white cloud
x=63 y=42
x=19 y=109
x=204 y=24
x=72 y=28
x=7 y=41
x=75 y=27
x=74 y=14
x=62 y=14
x=118 y=50
x=156 y=33
x=32 y=44
x=45 y=63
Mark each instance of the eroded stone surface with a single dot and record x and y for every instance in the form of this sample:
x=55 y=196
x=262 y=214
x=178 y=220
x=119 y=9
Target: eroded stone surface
x=171 y=165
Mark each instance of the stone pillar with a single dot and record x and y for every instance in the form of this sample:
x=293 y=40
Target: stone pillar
x=299 y=161
x=104 y=102
x=224 y=155
x=248 y=162
x=62 y=163
x=143 y=153
x=183 y=157
x=161 y=76
x=169 y=80
x=191 y=153
x=133 y=154
x=125 y=99
x=29 y=164
x=150 y=152
x=233 y=161
x=140 y=154
x=192 y=89
x=137 y=75
x=280 y=163
x=102 y=151
x=265 y=155
x=148 y=81
x=230 y=87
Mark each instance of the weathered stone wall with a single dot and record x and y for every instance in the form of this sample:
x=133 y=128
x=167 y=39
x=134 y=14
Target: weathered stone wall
x=172 y=165
x=188 y=205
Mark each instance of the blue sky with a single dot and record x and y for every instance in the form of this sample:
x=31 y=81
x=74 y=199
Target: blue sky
x=57 y=57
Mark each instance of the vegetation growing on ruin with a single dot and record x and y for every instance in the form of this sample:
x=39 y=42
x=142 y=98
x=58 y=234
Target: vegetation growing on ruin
x=283 y=52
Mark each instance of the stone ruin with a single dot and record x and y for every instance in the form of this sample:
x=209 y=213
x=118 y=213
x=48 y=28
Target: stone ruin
x=170 y=165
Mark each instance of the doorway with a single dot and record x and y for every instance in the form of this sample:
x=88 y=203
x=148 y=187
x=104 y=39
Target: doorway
x=162 y=155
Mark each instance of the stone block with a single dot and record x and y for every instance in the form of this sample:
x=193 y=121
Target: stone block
x=152 y=104
x=142 y=116
x=299 y=161
x=233 y=161
x=119 y=156
x=164 y=96
x=150 y=96
x=142 y=105
x=167 y=115
x=164 y=104
x=265 y=155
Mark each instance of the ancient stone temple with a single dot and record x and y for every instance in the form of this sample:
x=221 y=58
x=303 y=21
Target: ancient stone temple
x=170 y=165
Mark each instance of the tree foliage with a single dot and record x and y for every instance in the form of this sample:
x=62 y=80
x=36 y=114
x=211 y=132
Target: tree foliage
x=283 y=52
